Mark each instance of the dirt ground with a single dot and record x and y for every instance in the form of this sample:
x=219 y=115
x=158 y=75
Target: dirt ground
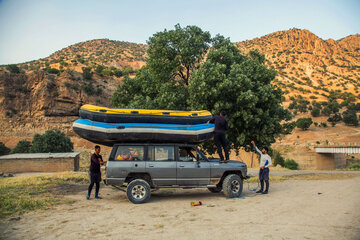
x=294 y=209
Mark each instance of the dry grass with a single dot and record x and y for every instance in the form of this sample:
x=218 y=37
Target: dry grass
x=22 y=194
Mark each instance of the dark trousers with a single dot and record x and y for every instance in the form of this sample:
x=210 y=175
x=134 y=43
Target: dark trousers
x=220 y=141
x=264 y=177
x=95 y=178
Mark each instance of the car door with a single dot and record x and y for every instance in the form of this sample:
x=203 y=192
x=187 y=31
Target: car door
x=192 y=168
x=125 y=159
x=161 y=165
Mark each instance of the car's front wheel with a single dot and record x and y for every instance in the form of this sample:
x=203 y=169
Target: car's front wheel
x=138 y=191
x=232 y=186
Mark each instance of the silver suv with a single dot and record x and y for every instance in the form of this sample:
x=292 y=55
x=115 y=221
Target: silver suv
x=137 y=168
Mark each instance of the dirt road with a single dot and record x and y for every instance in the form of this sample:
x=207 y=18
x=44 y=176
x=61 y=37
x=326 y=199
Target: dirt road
x=294 y=209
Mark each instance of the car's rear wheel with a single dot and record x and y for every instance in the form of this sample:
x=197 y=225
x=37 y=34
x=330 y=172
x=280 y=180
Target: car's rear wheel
x=232 y=186
x=138 y=191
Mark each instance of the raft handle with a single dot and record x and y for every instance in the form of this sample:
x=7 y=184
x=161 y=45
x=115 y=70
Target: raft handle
x=166 y=113
x=134 y=112
x=120 y=127
x=194 y=114
x=103 y=110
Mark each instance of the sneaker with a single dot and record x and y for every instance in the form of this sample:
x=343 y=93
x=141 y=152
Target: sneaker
x=260 y=191
x=226 y=161
x=221 y=161
x=265 y=192
x=88 y=197
x=97 y=197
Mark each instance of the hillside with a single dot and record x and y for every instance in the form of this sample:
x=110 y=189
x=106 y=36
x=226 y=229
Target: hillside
x=310 y=66
x=47 y=93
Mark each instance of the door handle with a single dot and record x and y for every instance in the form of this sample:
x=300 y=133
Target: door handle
x=151 y=165
x=182 y=166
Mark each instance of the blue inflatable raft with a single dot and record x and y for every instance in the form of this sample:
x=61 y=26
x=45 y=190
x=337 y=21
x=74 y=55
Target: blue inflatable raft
x=111 y=133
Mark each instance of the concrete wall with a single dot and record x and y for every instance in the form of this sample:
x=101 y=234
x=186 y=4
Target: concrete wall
x=39 y=165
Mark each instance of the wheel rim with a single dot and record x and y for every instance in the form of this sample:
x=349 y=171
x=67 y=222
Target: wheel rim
x=138 y=192
x=235 y=186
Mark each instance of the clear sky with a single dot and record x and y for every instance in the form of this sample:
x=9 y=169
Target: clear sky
x=33 y=29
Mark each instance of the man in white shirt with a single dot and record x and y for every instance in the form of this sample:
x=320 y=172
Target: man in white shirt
x=265 y=163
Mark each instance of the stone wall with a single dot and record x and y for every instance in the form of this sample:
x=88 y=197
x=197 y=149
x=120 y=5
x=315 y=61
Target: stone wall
x=39 y=164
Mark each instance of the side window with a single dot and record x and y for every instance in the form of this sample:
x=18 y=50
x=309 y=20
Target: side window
x=161 y=153
x=187 y=154
x=129 y=153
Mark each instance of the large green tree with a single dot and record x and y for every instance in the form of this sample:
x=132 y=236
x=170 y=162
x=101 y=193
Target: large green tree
x=240 y=85
x=187 y=69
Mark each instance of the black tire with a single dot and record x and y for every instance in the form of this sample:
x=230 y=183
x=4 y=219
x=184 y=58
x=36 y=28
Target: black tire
x=215 y=189
x=138 y=191
x=232 y=186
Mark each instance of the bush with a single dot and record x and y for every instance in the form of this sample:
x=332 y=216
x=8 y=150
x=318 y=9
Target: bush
x=291 y=164
x=304 y=123
x=278 y=159
x=53 y=71
x=51 y=141
x=315 y=112
x=350 y=118
x=22 y=146
x=3 y=149
x=87 y=74
x=323 y=124
x=354 y=166
x=13 y=68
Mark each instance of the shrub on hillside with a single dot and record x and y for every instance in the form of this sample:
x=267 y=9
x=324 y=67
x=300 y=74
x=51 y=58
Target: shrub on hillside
x=13 y=68
x=3 y=149
x=291 y=164
x=315 y=112
x=278 y=159
x=22 y=146
x=350 y=118
x=87 y=74
x=51 y=141
x=304 y=123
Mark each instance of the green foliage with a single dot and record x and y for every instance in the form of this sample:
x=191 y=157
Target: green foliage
x=3 y=149
x=304 y=123
x=291 y=164
x=51 y=141
x=22 y=146
x=278 y=159
x=87 y=74
x=52 y=70
x=323 y=124
x=99 y=69
x=350 y=118
x=354 y=166
x=90 y=90
x=176 y=78
x=315 y=112
x=335 y=118
x=13 y=68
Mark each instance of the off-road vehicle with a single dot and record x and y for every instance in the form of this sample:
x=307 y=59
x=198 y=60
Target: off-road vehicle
x=137 y=168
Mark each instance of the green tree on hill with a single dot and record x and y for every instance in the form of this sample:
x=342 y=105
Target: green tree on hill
x=177 y=76
x=13 y=68
x=51 y=141
x=87 y=74
x=304 y=123
x=350 y=118
x=3 y=149
x=22 y=146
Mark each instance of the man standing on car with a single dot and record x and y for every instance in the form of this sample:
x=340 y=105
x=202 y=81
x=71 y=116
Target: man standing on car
x=95 y=173
x=221 y=125
x=265 y=163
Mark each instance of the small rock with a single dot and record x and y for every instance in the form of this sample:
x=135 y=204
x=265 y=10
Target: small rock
x=319 y=193
x=15 y=219
x=10 y=175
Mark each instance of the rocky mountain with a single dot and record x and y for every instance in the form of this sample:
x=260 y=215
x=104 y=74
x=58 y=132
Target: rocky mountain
x=47 y=93
x=310 y=66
